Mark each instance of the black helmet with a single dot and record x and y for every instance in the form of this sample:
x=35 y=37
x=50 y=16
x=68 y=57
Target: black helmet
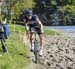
x=28 y=12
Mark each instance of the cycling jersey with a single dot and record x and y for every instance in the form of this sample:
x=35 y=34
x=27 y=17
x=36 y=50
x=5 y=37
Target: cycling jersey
x=32 y=23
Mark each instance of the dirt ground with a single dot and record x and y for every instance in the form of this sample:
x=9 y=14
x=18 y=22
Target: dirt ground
x=59 y=52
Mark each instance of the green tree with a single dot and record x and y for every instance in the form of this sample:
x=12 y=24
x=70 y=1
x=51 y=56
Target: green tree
x=13 y=8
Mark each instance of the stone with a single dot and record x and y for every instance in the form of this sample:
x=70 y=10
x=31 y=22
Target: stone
x=48 y=64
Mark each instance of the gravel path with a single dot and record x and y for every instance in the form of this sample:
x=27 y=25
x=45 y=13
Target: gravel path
x=32 y=64
x=59 y=53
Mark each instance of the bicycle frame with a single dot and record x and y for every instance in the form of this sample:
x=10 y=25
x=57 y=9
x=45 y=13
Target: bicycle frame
x=36 y=47
x=35 y=42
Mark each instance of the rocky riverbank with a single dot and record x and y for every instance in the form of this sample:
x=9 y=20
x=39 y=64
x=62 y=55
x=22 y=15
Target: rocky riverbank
x=60 y=52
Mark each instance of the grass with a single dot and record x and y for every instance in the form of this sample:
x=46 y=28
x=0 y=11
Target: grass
x=17 y=27
x=18 y=57
x=22 y=29
x=50 y=32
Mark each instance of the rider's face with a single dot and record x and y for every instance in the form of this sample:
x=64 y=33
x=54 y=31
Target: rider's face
x=29 y=16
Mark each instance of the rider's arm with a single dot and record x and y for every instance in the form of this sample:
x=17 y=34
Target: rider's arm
x=40 y=23
x=26 y=26
x=27 y=29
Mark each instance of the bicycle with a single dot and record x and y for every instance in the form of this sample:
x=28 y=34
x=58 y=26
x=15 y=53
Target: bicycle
x=36 y=46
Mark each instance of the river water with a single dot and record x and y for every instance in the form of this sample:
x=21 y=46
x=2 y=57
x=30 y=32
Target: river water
x=70 y=29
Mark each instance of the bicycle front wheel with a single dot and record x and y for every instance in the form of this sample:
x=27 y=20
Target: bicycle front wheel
x=36 y=51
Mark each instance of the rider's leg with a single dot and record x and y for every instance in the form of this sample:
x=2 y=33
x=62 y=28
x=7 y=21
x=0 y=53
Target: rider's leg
x=41 y=40
x=40 y=34
x=3 y=42
x=31 y=41
x=28 y=33
x=41 y=44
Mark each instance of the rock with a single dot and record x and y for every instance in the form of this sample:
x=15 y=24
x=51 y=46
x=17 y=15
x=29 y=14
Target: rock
x=74 y=49
x=48 y=52
x=69 y=68
x=60 y=60
x=67 y=51
x=48 y=64
x=60 y=49
x=54 y=60
x=60 y=53
x=51 y=55
x=58 y=67
x=69 y=58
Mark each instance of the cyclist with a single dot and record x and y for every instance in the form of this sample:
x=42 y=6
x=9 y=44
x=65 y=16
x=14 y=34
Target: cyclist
x=32 y=21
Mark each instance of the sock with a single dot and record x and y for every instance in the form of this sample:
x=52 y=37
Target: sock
x=32 y=43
